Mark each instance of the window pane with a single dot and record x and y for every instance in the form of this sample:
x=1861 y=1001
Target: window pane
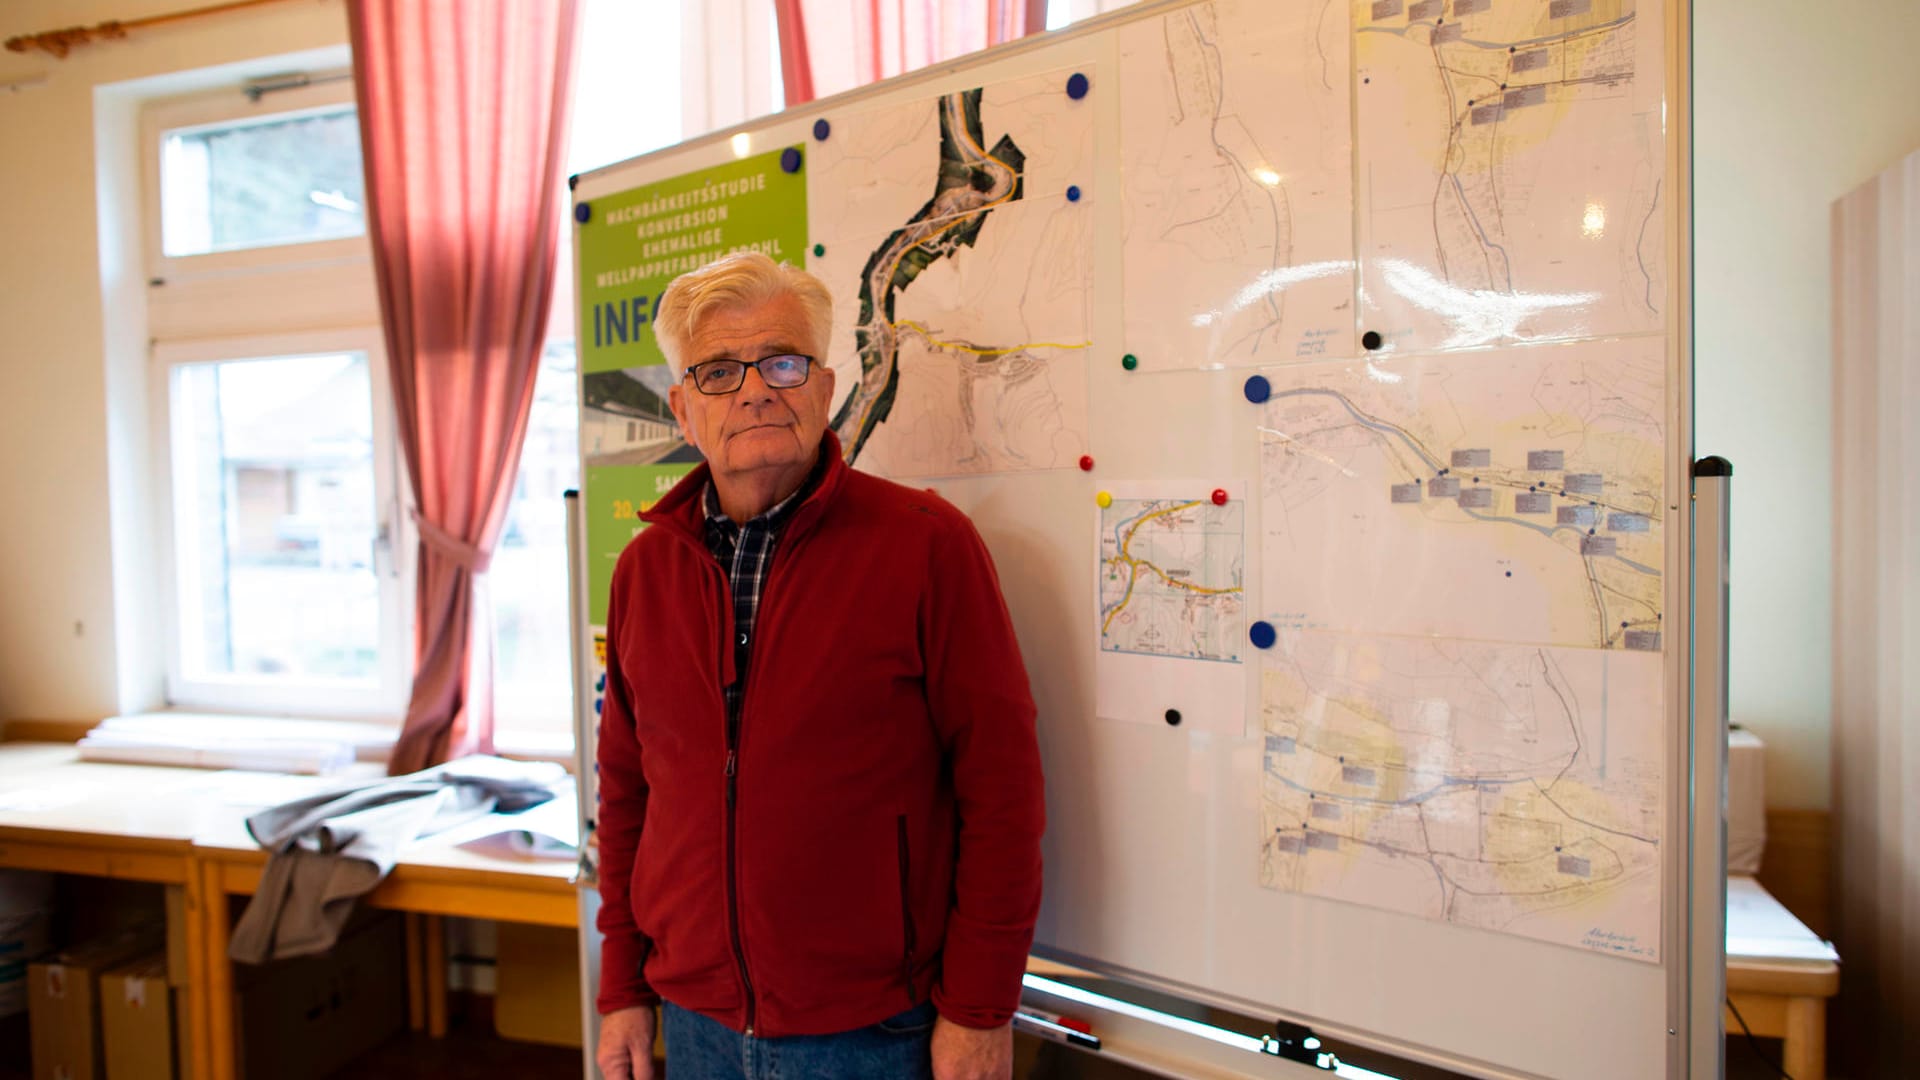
x=281 y=181
x=528 y=575
x=274 y=519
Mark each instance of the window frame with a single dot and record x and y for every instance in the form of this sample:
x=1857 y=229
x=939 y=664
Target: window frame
x=233 y=107
x=386 y=700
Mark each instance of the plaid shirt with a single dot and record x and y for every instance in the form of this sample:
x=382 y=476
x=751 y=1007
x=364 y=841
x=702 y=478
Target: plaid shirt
x=746 y=553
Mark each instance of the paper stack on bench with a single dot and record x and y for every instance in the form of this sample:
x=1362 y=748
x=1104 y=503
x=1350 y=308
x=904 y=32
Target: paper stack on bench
x=232 y=742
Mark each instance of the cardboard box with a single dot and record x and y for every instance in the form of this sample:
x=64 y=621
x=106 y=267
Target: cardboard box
x=137 y=1017
x=63 y=1004
x=308 y=1018
x=537 y=985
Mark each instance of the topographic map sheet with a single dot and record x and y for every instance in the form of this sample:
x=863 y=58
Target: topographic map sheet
x=1510 y=156
x=1494 y=786
x=1236 y=167
x=1514 y=495
x=1172 y=621
x=961 y=276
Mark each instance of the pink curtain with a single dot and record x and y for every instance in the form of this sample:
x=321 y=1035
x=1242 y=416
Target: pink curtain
x=463 y=109
x=827 y=46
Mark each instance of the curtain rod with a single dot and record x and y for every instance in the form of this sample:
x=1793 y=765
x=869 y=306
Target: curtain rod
x=58 y=43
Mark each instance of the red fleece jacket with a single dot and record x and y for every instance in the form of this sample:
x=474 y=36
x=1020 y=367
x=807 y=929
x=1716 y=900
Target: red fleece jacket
x=884 y=835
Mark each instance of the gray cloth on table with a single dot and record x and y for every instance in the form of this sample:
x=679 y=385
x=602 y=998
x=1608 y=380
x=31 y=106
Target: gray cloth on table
x=328 y=850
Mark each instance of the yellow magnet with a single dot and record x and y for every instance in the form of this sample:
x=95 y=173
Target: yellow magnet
x=1105 y=499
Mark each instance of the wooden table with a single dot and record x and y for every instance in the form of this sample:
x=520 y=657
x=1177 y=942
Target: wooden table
x=432 y=880
x=66 y=816
x=1779 y=975
x=185 y=828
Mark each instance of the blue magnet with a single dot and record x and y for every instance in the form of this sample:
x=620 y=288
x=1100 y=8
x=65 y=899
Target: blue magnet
x=1073 y=192
x=1262 y=635
x=790 y=159
x=1258 y=389
x=581 y=212
x=1076 y=86
x=821 y=129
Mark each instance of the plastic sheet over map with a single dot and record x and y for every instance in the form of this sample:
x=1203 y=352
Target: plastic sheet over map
x=960 y=332
x=1172 y=589
x=1237 y=180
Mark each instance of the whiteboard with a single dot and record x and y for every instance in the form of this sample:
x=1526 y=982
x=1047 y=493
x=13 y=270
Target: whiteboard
x=1159 y=850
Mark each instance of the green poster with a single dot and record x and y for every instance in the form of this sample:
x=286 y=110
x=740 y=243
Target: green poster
x=636 y=241
x=630 y=246
x=616 y=497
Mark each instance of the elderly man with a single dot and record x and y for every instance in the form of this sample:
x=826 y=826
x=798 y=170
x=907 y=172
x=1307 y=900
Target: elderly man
x=821 y=795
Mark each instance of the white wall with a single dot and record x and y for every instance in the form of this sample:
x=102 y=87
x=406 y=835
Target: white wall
x=1795 y=105
x=71 y=351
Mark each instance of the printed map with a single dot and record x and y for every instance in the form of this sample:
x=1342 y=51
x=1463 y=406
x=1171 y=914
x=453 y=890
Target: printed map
x=1237 y=182
x=1511 y=156
x=1502 y=787
x=960 y=332
x=1517 y=495
x=1172 y=577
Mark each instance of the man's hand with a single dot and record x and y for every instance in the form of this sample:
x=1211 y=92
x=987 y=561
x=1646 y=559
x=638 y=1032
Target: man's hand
x=964 y=1053
x=626 y=1044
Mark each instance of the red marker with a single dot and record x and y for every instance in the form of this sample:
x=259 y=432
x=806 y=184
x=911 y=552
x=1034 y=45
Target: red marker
x=1051 y=1017
x=1219 y=496
x=1086 y=462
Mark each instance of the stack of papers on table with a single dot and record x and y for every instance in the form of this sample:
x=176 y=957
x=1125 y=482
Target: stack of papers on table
x=231 y=742
x=1761 y=928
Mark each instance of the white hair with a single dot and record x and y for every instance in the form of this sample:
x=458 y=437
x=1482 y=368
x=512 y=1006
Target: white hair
x=742 y=279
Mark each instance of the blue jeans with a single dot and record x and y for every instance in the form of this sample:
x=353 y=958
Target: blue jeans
x=897 y=1048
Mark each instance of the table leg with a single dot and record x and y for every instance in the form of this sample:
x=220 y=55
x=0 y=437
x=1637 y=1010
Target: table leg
x=435 y=931
x=219 y=1062
x=416 y=974
x=194 y=1055
x=1805 y=1049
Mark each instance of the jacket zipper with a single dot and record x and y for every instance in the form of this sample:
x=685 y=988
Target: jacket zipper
x=733 y=726
x=906 y=914
x=733 y=875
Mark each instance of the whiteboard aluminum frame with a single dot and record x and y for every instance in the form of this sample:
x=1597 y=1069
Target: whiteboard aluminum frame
x=1692 y=783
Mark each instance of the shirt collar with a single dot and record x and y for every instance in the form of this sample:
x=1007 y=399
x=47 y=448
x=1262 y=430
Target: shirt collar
x=710 y=499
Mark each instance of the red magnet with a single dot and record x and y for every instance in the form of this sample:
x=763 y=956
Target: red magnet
x=1086 y=462
x=1219 y=496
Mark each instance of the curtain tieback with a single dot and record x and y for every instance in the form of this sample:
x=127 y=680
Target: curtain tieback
x=451 y=547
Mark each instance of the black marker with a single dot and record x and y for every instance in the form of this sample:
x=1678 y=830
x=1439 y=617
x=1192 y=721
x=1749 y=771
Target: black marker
x=1047 y=1029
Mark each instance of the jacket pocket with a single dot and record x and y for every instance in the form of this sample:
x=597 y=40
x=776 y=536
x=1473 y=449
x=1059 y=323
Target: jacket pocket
x=906 y=911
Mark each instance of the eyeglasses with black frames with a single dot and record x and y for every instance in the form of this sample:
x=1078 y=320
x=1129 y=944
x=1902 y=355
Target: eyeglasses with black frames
x=782 y=372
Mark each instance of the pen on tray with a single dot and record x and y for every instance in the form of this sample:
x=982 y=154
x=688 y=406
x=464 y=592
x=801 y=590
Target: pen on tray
x=1060 y=1033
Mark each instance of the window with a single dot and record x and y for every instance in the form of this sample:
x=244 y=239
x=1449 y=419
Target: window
x=1062 y=13
x=281 y=483
x=532 y=621
x=243 y=182
x=284 y=179
x=283 y=500
x=290 y=590
x=531 y=618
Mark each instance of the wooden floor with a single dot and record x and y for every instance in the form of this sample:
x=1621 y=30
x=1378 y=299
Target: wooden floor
x=465 y=1054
